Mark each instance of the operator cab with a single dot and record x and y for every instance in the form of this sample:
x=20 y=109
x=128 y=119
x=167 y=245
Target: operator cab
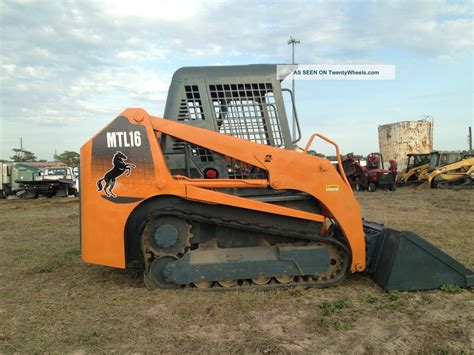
x=415 y=160
x=440 y=159
x=243 y=101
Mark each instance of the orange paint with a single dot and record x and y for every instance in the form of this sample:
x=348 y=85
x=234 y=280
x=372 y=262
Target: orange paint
x=103 y=220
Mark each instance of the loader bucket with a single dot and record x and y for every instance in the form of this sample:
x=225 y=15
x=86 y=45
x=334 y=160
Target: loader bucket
x=406 y=262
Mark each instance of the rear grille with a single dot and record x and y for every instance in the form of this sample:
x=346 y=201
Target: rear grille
x=385 y=178
x=247 y=111
x=191 y=109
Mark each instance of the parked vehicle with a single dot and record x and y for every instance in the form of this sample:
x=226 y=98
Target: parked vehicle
x=215 y=196
x=417 y=163
x=28 y=181
x=372 y=176
x=449 y=169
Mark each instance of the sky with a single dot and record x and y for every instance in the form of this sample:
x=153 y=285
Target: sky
x=69 y=67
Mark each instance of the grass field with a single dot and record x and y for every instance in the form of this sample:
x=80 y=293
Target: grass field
x=50 y=301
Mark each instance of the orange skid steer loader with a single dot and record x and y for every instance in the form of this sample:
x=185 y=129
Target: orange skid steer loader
x=215 y=196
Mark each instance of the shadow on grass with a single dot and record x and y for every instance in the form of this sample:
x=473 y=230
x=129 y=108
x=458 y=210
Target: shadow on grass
x=131 y=277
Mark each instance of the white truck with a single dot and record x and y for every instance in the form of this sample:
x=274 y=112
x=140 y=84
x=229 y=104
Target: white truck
x=26 y=180
x=66 y=177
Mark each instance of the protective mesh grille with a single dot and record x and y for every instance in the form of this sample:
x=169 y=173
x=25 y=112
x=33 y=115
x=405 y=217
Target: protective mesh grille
x=191 y=108
x=236 y=169
x=205 y=155
x=247 y=111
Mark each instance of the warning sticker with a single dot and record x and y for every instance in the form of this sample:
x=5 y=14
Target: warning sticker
x=332 y=187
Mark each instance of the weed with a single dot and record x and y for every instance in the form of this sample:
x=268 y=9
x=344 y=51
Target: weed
x=371 y=299
x=355 y=314
x=331 y=307
x=336 y=323
x=395 y=301
x=394 y=295
x=451 y=288
x=89 y=339
x=445 y=350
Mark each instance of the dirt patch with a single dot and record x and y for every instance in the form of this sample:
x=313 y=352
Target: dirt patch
x=50 y=301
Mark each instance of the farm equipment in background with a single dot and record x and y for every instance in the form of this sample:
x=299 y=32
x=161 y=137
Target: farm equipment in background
x=372 y=176
x=438 y=159
x=449 y=169
x=216 y=197
x=416 y=164
x=356 y=173
x=378 y=176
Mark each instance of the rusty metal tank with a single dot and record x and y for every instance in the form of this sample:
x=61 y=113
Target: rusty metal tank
x=398 y=139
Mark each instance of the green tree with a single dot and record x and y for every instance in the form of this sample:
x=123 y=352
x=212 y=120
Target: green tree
x=69 y=158
x=22 y=155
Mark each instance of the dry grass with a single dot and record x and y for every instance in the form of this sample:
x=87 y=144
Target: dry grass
x=51 y=302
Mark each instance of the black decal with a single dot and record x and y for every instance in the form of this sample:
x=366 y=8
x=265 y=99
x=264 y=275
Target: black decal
x=119 y=167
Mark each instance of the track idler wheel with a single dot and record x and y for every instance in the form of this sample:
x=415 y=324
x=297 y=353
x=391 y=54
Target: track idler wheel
x=157 y=275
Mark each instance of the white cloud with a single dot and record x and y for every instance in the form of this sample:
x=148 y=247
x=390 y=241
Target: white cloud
x=141 y=55
x=8 y=69
x=425 y=27
x=169 y=11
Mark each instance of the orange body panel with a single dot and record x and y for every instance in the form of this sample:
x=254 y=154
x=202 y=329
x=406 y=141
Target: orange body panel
x=103 y=219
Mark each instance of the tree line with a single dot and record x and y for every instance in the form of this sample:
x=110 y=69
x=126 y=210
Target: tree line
x=67 y=157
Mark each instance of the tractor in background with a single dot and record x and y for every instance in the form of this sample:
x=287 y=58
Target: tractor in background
x=378 y=176
x=449 y=169
x=372 y=176
x=417 y=163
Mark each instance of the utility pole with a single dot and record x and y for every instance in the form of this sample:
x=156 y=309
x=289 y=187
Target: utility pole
x=293 y=42
x=22 y=155
x=469 y=137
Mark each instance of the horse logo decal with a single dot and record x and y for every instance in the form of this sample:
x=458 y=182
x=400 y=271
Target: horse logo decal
x=119 y=167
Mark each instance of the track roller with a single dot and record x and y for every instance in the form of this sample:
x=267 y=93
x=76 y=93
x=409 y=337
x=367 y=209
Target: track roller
x=157 y=273
x=227 y=283
x=285 y=279
x=261 y=280
x=203 y=284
